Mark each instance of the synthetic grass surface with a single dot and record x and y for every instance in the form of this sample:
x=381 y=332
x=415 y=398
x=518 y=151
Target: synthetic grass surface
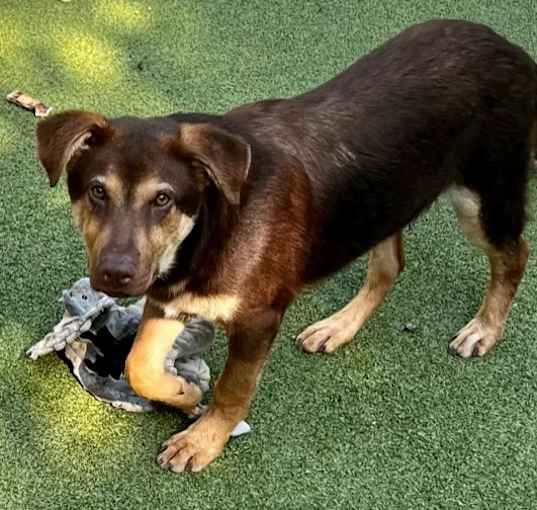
x=392 y=421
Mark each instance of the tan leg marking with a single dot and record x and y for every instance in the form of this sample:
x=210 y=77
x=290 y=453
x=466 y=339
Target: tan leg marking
x=486 y=328
x=506 y=269
x=196 y=447
x=144 y=367
x=386 y=261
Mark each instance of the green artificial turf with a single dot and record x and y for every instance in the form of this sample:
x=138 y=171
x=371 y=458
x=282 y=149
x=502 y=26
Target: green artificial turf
x=390 y=422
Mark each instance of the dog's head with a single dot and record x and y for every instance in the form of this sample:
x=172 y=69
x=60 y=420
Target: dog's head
x=136 y=187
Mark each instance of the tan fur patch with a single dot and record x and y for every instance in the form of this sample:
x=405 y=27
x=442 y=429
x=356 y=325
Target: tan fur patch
x=77 y=213
x=190 y=134
x=158 y=246
x=166 y=259
x=96 y=238
x=177 y=288
x=163 y=240
x=77 y=145
x=486 y=328
x=467 y=205
x=386 y=261
x=220 y=307
x=146 y=191
x=506 y=270
x=95 y=235
x=114 y=188
x=145 y=365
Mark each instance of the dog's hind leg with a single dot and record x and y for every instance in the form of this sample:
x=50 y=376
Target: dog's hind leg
x=500 y=238
x=386 y=261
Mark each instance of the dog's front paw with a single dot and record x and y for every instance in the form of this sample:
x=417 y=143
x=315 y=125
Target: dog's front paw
x=326 y=335
x=196 y=447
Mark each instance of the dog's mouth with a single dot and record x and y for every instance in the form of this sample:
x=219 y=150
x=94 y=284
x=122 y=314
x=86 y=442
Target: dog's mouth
x=120 y=294
x=134 y=288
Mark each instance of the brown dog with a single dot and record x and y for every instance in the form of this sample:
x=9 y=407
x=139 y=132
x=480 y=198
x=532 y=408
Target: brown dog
x=229 y=216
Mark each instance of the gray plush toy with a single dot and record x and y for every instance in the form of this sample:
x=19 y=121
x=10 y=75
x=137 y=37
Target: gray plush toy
x=95 y=336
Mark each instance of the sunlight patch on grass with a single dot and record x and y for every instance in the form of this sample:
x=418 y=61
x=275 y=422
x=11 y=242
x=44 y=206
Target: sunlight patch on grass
x=12 y=38
x=127 y=14
x=89 y=57
x=72 y=417
x=15 y=55
x=16 y=333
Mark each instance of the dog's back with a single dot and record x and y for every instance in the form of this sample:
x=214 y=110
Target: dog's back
x=382 y=140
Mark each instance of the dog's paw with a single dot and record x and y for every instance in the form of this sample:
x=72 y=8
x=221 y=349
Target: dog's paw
x=326 y=335
x=475 y=339
x=194 y=448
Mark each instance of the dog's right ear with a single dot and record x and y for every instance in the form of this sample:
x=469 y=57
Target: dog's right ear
x=224 y=157
x=62 y=136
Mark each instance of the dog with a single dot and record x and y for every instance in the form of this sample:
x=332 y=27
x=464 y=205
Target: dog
x=227 y=217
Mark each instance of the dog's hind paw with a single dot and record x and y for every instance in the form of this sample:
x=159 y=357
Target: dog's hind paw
x=475 y=339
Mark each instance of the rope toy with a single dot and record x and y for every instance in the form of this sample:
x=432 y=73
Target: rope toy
x=94 y=338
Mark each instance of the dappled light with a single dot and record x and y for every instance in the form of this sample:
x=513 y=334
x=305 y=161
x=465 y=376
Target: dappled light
x=131 y=15
x=89 y=58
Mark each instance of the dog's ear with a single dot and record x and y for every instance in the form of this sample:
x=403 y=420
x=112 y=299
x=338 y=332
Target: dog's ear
x=223 y=156
x=62 y=136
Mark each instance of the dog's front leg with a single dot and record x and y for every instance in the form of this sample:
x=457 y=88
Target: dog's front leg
x=250 y=340
x=145 y=366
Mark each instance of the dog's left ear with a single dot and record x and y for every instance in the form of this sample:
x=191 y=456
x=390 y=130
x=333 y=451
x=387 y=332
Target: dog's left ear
x=223 y=156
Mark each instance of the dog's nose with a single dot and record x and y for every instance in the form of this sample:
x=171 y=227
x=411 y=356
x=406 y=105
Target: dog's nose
x=119 y=276
x=116 y=272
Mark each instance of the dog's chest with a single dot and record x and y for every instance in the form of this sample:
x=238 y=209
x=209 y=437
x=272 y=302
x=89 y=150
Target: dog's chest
x=217 y=307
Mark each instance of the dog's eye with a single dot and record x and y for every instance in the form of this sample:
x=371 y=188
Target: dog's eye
x=97 y=192
x=162 y=200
